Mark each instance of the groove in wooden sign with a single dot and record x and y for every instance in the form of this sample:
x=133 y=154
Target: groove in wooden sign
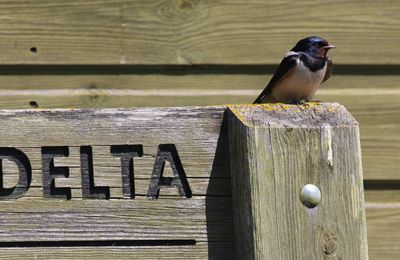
x=25 y=173
x=89 y=190
x=168 y=152
x=127 y=153
x=99 y=243
x=50 y=172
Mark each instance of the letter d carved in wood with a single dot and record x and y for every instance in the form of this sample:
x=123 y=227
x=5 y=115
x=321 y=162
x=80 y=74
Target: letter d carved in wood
x=25 y=173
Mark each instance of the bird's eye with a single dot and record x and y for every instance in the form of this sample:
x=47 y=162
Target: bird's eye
x=318 y=44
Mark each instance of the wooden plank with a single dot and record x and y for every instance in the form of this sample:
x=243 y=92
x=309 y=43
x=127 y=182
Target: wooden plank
x=383 y=230
x=202 y=250
x=98 y=83
x=383 y=223
x=198 y=223
x=382 y=196
x=382 y=237
x=277 y=149
x=109 y=220
x=129 y=126
x=193 y=32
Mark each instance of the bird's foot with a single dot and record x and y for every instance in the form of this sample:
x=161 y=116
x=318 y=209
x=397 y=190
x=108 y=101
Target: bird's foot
x=299 y=101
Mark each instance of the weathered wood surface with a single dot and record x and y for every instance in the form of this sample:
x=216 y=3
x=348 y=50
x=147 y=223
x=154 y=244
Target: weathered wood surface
x=104 y=80
x=383 y=237
x=139 y=219
x=381 y=223
x=239 y=34
x=35 y=223
x=275 y=150
x=192 y=31
x=222 y=251
x=107 y=172
x=383 y=231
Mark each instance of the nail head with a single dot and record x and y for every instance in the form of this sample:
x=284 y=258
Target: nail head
x=310 y=195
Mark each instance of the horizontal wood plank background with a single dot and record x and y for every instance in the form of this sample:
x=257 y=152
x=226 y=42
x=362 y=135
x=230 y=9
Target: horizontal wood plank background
x=119 y=53
x=192 y=31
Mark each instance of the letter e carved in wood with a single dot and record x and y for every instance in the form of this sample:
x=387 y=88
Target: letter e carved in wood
x=50 y=172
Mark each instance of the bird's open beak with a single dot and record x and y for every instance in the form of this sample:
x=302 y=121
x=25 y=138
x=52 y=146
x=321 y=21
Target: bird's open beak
x=328 y=47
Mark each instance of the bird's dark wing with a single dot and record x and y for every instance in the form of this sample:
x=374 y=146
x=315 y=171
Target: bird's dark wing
x=329 y=69
x=287 y=64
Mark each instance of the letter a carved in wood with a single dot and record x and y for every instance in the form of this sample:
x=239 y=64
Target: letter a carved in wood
x=168 y=152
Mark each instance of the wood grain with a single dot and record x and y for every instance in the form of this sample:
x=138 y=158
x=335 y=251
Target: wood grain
x=85 y=220
x=107 y=172
x=383 y=230
x=382 y=237
x=115 y=55
x=193 y=31
x=32 y=220
x=96 y=82
x=276 y=150
x=222 y=251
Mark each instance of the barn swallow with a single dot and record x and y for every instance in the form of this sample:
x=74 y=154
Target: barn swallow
x=301 y=72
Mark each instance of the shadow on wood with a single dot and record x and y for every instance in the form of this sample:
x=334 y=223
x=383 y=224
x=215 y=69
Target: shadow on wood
x=221 y=164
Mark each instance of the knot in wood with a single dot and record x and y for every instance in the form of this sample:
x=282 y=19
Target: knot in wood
x=330 y=247
x=180 y=12
x=187 y=4
x=330 y=243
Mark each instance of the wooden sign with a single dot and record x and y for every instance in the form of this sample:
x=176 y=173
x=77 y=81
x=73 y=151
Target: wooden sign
x=151 y=183
x=145 y=178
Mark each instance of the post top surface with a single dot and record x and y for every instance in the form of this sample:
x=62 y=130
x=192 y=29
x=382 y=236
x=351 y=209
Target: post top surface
x=312 y=114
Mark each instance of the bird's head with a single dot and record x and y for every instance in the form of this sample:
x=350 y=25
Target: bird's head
x=313 y=45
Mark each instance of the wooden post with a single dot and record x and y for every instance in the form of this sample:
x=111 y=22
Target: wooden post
x=275 y=151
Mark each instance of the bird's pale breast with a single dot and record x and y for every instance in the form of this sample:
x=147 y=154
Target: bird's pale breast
x=301 y=83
